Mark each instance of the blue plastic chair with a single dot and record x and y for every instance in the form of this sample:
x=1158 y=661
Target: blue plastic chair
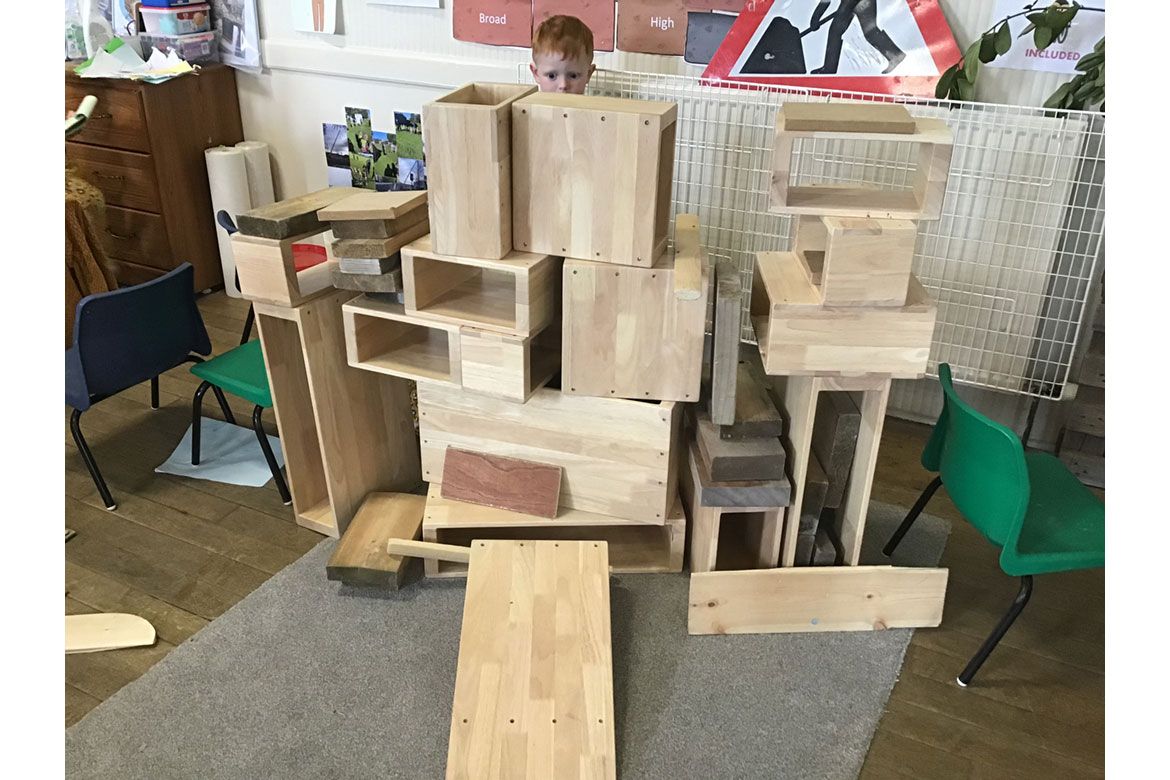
x=125 y=337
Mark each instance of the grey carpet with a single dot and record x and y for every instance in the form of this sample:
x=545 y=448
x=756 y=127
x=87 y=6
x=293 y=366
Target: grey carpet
x=306 y=678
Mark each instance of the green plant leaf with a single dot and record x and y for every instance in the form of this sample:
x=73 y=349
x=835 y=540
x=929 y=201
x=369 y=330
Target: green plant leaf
x=966 y=89
x=1043 y=37
x=987 y=51
x=971 y=61
x=1059 y=17
x=946 y=81
x=1003 y=39
x=1090 y=60
x=1056 y=99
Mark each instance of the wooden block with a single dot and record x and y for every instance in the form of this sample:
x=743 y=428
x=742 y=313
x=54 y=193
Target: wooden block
x=825 y=551
x=378 y=228
x=923 y=201
x=731 y=460
x=592 y=177
x=517 y=294
x=369 y=267
x=429 y=551
x=511 y=367
x=365 y=205
x=635 y=548
x=390 y=282
x=626 y=335
x=291 y=216
x=755 y=413
x=505 y=483
x=374 y=248
x=534 y=684
x=360 y=558
x=268 y=272
x=834 y=440
x=816 y=488
x=847 y=117
x=799 y=336
x=725 y=367
x=468 y=137
x=345 y=433
x=621 y=462
x=838 y=598
x=741 y=493
x=855 y=261
x=380 y=336
x=92 y=633
x=689 y=258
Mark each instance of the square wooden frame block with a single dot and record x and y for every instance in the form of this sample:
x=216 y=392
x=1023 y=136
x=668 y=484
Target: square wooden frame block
x=380 y=336
x=468 y=136
x=857 y=262
x=635 y=548
x=618 y=456
x=923 y=201
x=627 y=335
x=268 y=273
x=799 y=335
x=516 y=294
x=345 y=433
x=591 y=177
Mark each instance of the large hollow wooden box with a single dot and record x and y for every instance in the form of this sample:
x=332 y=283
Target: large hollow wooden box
x=381 y=336
x=468 y=138
x=626 y=334
x=799 y=335
x=617 y=455
x=591 y=177
x=268 y=273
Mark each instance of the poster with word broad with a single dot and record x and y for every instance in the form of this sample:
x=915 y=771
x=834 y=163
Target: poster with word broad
x=652 y=26
x=497 y=22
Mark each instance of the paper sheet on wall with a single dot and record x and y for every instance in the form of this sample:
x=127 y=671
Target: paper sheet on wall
x=1061 y=56
x=319 y=16
x=239 y=33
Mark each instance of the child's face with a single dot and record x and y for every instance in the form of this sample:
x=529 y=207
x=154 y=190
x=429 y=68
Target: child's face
x=556 y=73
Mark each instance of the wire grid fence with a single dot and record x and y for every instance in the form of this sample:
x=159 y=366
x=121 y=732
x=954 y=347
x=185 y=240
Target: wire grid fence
x=1010 y=262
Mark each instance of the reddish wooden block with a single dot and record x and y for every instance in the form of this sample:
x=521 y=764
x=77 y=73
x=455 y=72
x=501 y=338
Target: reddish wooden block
x=505 y=483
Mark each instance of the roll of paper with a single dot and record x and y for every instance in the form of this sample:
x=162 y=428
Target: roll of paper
x=259 y=172
x=227 y=173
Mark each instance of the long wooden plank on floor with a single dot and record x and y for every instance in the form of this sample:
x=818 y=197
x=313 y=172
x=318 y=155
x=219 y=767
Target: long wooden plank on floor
x=534 y=686
x=838 y=598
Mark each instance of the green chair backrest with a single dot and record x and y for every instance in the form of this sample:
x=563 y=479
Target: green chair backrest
x=981 y=464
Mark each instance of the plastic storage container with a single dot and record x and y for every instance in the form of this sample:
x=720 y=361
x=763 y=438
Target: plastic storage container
x=184 y=20
x=200 y=47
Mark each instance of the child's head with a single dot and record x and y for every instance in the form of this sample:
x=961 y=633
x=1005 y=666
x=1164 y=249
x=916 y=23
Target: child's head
x=562 y=55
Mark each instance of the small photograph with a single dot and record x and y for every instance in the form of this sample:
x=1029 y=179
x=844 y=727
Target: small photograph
x=408 y=129
x=384 y=149
x=412 y=174
x=359 y=129
x=337 y=155
x=361 y=167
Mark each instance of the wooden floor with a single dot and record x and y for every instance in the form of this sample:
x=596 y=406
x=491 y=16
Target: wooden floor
x=180 y=552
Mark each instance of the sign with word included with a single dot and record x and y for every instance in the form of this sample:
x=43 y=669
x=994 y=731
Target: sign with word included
x=598 y=16
x=1060 y=56
x=498 y=22
x=652 y=26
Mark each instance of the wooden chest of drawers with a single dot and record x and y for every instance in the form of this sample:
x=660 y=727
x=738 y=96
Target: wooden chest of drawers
x=143 y=148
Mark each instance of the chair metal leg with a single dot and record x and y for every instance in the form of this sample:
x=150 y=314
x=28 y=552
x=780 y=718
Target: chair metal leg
x=197 y=421
x=223 y=405
x=90 y=463
x=154 y=392
x=908 y=521
x=1005 y=623
x=258 y=426
x=251 y=318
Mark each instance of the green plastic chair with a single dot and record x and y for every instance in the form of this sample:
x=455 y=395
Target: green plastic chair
x=239 y=372
x=1026 y=503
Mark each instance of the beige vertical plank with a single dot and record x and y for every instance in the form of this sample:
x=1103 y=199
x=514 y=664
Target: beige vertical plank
x=856 y=505
x=799 y=398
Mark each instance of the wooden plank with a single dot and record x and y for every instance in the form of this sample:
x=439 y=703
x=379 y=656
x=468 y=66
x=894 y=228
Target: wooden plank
x=756 y=416
x=688 y=258
x=378 y=228
x=725 y=361
x=834 y=440
x=626 y=335
x=428 y=550
x=849 y=527
x=839 y=598
x=591 y=177
x=390 y=282
x=382 y=206
x=106 y=631
x=374 y=248
x=847 y=117
x=505 y=483
x=360 y=558
x=730 y=460
x=468 y=137
x=816 y=486
x=534 y=684
x=291 y=216
x=621 y=464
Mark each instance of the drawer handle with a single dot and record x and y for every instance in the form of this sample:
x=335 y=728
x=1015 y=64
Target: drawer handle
x=101 y=116
x=110 y=176
x=130 y=237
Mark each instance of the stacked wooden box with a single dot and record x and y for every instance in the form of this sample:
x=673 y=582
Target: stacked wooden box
x=840 y=313
x=344 y=433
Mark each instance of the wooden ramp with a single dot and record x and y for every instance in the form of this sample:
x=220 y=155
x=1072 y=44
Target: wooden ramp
x=534 y=687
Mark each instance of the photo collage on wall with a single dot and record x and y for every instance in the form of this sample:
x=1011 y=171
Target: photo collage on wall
x=357 y=155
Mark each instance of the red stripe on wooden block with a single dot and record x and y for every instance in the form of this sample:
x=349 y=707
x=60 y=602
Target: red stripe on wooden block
x=506 y=483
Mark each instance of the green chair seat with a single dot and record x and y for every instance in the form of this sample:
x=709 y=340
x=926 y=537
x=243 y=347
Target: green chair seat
x=239 y=372
x=1064 y=527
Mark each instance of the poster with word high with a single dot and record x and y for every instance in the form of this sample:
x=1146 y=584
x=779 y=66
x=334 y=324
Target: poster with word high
x=652 y=26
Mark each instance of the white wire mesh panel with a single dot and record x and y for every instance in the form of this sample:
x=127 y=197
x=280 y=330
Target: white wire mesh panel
x=1010 y=261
